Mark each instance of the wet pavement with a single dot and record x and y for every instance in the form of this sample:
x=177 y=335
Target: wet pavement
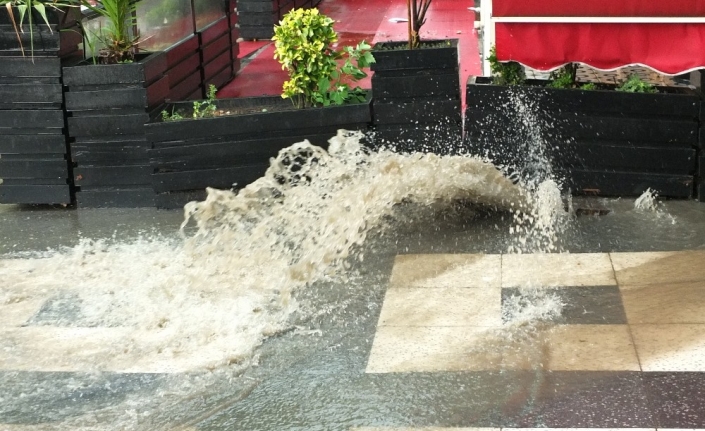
x=422 y=335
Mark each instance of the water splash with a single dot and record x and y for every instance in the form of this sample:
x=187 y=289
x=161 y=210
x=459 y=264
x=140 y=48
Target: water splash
x=209 y=301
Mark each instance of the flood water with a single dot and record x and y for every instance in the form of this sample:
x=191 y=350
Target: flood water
x=259 y=312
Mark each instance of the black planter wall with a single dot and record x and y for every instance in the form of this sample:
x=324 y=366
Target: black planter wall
x=257 y=17
x=216 y=51
x=606 y=143
x=417 y=97
x=33 y=150
x=108 y=107
x=34 y=165
x=190 y=155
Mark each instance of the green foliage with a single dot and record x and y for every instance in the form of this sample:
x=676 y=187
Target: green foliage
x=205 y=108
x=509 y=73
x=171 y=116
x=304 y=42
x=25 y=8
x=563 y=77
x=118 y=44
x=588 y=86
x=201 y=108
x=635 y=85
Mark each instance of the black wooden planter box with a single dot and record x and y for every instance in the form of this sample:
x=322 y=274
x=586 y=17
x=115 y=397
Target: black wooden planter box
x=604 y=142
x=34 y=165
x=108 y=107
x=257 y=17
x=190 y=155
x=417 y=97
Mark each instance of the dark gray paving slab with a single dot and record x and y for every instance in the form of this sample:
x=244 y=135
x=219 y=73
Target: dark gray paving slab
x=677 y=399
x=586 y=305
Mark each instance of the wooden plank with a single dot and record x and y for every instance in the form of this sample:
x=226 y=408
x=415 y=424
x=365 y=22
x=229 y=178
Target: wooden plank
x=629 y=183
x=49 y=94
x=107 y=125
x=112 y=176
x=35 y=194
x=222 y=178
x=124 y=197
x=32 y=119
x=177 y=200
x=38 y=168
x=423 y=111
x=33 y=144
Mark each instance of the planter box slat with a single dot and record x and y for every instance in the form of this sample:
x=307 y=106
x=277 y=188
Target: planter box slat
x=114 y=175
x=33 y=168
x=177 y=53
x=200 y=179
x=185 y=88
x=35 y=194
x=217 y=65
x=220 y=78
x=445 y=57
x=215 y=48
x=141 y=72
x=700 y=186
x=106 y=125
x=408 y=112
x=657 y=160
x=116 y=198
x=32 y=119
x=119 y=98
x=629 y=183
x=43 y=68
x=33 y=144
x=662 y=132
x=591 y=102
x=50 y=94
x=255 y=123
x=186 y=69
x=435 y=85
x=214 y=31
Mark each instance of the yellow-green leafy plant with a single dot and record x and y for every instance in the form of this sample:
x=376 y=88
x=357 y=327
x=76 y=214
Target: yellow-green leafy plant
x=304 y=41
x=25 y=9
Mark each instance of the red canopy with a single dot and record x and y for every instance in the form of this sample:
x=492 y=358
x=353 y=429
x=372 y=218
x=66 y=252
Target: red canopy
x=667 y=36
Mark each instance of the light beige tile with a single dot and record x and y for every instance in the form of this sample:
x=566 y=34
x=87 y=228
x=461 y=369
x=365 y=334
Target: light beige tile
x=445 y=306
x=590 y=348
x=664 y=303
x=399 y=349
x=125 y=350
x=671 y=347
x=659 y=267
x=446 y=270
x=557 y=269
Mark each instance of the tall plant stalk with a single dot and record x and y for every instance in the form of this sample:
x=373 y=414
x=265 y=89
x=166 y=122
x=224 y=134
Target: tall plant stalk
x=416 y=12
x=26 y=8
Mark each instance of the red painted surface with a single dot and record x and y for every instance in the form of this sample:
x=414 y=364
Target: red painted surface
x=358 y=20
x=612 y=8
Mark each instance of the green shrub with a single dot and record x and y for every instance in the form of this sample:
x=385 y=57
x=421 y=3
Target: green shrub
x=117 y=43
x=636 y=85
x=509 y=73
x=564 y=77
x=304 y=42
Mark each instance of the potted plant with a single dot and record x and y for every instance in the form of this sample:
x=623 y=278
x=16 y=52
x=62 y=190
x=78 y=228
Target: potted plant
x=33 y=149
x=416 y=88
x=614 y=140
x=219 y=143
x=109 y=98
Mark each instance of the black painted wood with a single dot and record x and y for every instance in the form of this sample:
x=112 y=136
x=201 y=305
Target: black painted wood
x=113 y=175
x=417 y=111
x=700 y=178
x=190 y=155
x=616 y=183
x=137 y=197
x=34 y=168
x=177 y=200
x=35 y=194
x=602 y=142
x=392 y=56
x=418 y=85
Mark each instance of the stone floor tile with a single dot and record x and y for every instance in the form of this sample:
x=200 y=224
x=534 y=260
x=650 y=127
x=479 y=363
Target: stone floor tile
x=445 y=306
x=595 y=399
x=670 y=347
x=446 y=270
x=659 y=267
x=557 y=269
x=589 y=305
x=678 y=399
x=567 y=347
x=664 y=303
x=589 y=348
